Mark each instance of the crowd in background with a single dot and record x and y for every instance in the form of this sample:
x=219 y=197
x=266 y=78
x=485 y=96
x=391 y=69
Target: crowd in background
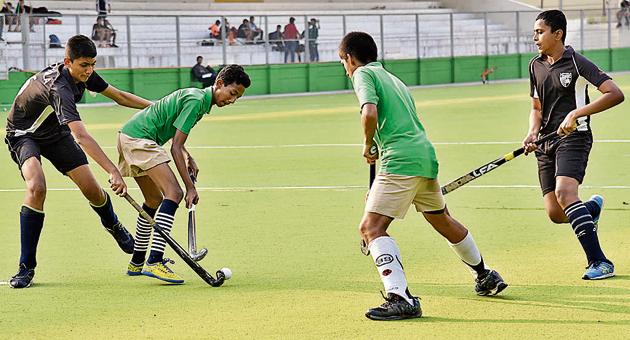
x=285 y=40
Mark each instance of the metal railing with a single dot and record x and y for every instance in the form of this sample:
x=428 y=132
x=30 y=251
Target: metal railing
x=172 y=41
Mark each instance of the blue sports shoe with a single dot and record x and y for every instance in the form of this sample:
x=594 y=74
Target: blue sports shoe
x=599 y=270
x=599 y=200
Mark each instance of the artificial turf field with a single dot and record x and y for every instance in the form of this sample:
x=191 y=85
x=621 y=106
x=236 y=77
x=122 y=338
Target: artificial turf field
x=282 y=188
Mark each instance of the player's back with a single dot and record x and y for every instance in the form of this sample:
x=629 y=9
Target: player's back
x=405 y=147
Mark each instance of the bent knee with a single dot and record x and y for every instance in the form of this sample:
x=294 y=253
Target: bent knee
x=37 y=189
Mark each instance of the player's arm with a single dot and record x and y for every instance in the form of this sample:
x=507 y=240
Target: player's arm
x=91 y=147
x=611 y=96
x=369 y=120
x=178 y=151
x=125 y=98
x=191 y=165
x=535 y=120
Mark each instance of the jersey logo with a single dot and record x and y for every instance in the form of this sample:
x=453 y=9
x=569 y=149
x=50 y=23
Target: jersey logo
x=565 y=79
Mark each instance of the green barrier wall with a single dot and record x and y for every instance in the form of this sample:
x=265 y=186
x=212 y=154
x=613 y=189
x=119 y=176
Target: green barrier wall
x=294 y=78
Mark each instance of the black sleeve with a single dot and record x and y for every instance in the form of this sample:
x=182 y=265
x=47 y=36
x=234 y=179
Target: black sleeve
x=590 y=71
x=96 y=84
x=62 y=101
x=532 y=79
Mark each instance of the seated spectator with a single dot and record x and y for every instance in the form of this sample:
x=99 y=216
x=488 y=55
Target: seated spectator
x=623 y=13
x=231 y=32
x=55 y=42
x=9 y=15
x=205 y=74
x=244 y=34
x=256 y=32
x=275 y=39
x=104 y=33
x=215 y=30
x=22 y=9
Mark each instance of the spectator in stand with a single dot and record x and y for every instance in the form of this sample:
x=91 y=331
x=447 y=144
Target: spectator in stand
x=244 y=34
x=103 y=7
x=231 y=32
x=215 y=30
x=623 y=13
x=256 y=32
x=9 y=15
x=291 y=37
x=1 y=19
x=275 y=39
x=313 y=34
x=104 y=33
x=22 y=9
x=205 y=74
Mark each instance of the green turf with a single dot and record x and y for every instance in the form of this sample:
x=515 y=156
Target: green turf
x=298 y=272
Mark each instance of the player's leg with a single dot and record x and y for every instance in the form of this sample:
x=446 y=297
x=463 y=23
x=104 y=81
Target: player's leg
x=152 y=200
x=430 y=202
x=26 y=153
x=385 y=202
x=571 y=161
x=68 y=158
x=165 y=180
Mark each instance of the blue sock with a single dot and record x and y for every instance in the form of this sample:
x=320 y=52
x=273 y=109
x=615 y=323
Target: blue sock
x=106 y=212
x=31 y=224
x=584 y=228
x=165 y=217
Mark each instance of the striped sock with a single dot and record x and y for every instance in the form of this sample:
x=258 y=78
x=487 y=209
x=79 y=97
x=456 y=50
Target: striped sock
x=584 y=228
x=143 y=235
x=164 y=218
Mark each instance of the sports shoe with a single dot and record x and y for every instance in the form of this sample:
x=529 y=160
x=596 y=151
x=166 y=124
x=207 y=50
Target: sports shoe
x=134 y=269
x=123 y=238
x=23 y=279
x=395 y=308
x=599 y=270
x=599 y=200
x=162 y=272
x=490 y=284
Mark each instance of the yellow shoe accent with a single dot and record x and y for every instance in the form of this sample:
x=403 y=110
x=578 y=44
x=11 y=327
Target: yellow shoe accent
x=134 y=270
x=162 y=272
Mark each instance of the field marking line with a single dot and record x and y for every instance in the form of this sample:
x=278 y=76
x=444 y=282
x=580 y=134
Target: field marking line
x=325 y=145
x=344 y=187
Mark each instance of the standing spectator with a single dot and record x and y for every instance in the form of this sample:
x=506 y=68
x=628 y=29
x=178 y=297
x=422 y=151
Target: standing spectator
x=275 y=39
x=313 y=33
x=1 y=18
x=291 y=37
x=9 y=15
x=623 y=13
x=215 y=30
x=205 y=74
x=20 y=10
x=103 y=7
x=255 y=30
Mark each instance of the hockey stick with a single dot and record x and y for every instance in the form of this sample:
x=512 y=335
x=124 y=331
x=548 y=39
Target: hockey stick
x=220 y=275
x=484 y=169
x=373 y=150
x=192 y=233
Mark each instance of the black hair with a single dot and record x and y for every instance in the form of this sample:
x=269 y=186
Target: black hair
x=234 y=74
x=291 y=19
x=556 y=20
x=80 y=46
x=218 y=22
x=360 y=46
x=199 y=57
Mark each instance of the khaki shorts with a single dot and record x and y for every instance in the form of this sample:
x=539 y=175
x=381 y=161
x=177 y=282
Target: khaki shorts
x=391 y=195
x=137 y=155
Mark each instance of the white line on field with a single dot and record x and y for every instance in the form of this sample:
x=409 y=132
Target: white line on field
x=344 y=187
x=4 y=283
x=355 y=145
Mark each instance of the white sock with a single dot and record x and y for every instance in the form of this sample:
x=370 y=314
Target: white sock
x=389 y=265
x=467 y=251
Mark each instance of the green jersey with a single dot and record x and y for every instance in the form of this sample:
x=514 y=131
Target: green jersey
x=180 y=110
x=404 y=146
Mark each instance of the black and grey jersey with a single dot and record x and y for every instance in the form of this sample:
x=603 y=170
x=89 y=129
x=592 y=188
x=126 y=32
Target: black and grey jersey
x=563 y=87
x=46 y=103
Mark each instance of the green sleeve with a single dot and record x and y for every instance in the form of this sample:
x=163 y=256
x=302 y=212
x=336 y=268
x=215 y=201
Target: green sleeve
x=365 y=87
x=189 y=114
